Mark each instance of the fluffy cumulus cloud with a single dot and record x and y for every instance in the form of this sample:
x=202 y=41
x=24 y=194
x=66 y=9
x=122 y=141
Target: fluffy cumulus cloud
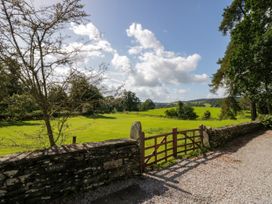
x=89 y=29
x=121 y=62
x=144 y=37
x=149 y=69
x=155 y=70
x=98 y=46
x=155 y=65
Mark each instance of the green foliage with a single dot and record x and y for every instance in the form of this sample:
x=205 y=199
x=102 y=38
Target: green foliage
x=245 y=70
x=147 y=105
x=244 y=103
x=58 y=98
x=206 y=115
x=266 y=120
x=182 y=111
x=107 y=105
x=187 y=113
x=129 y=101
x=264 y=106
x=9 y=79
x=84 y=96
x=172 y=113
x=229 y=108
x=180 y=107
x=17 y=106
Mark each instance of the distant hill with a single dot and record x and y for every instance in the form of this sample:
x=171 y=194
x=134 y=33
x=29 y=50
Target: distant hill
x=214 y=102
x=164 y=105
x=206 y=100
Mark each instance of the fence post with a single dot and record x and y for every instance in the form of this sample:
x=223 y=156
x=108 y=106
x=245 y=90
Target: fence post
x=136 y=130
x=175 y=133
x=142 y=151
x=74 y=139
x=201 y=131
x=204 y=136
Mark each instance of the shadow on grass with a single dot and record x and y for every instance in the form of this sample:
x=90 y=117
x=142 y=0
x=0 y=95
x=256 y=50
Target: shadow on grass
x=17 y=123
x=99 y=117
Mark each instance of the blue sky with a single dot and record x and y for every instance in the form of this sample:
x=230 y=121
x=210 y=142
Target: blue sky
x=163 y=50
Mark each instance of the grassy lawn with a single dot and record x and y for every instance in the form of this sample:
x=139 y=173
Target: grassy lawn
x=29 y=135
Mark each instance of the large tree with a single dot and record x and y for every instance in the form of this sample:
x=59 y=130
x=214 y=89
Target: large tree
x=130 y=101
x=245 y=70
x=34 y=38
x=147 y=105
x=84 y=96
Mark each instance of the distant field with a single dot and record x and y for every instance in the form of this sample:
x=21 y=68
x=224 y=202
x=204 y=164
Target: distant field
x=215 y=112
x=29 y=135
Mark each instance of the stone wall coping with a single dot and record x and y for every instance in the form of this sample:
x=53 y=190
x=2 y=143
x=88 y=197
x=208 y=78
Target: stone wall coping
x=235 y=126
x=65 y=149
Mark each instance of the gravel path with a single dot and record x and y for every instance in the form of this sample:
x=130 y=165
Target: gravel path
x=239 y=173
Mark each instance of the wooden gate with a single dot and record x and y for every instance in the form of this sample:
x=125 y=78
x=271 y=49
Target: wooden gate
x=176 y=144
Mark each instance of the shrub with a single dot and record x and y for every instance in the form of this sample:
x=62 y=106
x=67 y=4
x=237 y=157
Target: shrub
x=182 y=111
x=17 y=106
x=187 y=113
x=206 y=115
x=171 y=113
x=266 y=120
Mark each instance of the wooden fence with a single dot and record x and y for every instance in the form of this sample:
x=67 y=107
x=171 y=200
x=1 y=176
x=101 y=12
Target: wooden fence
x=176 y=144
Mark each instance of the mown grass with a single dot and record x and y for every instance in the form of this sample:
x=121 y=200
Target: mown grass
x=29 y=135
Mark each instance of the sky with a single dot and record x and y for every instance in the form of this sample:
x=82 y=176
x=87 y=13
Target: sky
x=162 y=50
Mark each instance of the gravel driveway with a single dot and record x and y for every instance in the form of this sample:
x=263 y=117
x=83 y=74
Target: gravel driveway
x=239 y=173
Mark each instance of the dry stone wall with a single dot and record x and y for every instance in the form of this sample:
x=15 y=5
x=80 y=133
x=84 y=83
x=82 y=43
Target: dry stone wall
x=219 y=136
x=41 y=176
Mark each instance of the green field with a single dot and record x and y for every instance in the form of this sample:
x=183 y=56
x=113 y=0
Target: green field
x=215 y=112
x=29 y=135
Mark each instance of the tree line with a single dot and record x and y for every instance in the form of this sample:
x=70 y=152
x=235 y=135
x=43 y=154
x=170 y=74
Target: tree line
x=79 y=96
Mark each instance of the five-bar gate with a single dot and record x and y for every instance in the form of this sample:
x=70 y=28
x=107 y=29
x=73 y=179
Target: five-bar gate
x=176 y=144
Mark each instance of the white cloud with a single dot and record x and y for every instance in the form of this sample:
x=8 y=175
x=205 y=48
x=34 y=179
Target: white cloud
x=156 y=66
x=135 y=50
x=89 y=30
x=144 y=37
x=39 y=3
x=220 y=93
x=97 y=43
x=89 y=50
x=152 y=72
x=200 y=78
x=160 y=94
x=121 y=62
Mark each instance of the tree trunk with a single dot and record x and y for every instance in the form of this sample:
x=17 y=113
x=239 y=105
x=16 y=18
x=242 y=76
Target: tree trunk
x=49 y=130
x=253 y=111
x=269 y=108
x=268 y=94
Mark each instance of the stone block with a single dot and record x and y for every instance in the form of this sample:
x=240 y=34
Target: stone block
x=113 y=164
x=3 y=193
x=11 y=173
x=11 y=181
x=2 y=177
